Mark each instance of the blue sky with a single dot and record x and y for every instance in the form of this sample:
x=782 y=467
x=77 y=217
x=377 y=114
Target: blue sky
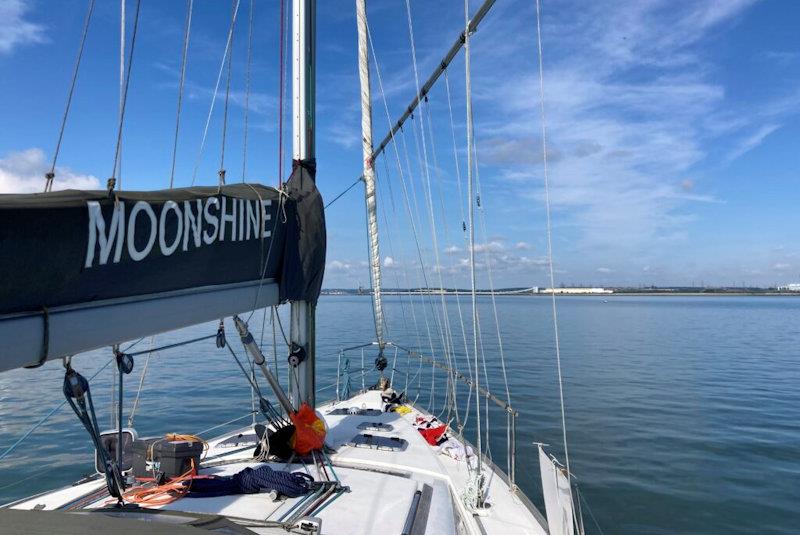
x=673 y=130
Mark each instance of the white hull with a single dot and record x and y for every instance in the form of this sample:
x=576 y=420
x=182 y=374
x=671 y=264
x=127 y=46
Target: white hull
x=382 y=485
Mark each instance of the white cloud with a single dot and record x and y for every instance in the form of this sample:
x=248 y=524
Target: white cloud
x=389 y=262
x=522 y=246
x=452 y=250
x=15 y=30
x=781 y=266
x=23 y=172
x=605 y=270
x=494 y=246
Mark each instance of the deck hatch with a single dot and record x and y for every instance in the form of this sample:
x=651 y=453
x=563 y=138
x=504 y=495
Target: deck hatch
x=365 y=440
x=355 y=411
x=375 y=426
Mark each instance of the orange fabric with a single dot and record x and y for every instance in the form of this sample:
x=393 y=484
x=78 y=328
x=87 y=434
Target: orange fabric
x=309 y=432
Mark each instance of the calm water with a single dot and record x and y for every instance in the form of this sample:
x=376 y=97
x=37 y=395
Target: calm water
x=683 y=414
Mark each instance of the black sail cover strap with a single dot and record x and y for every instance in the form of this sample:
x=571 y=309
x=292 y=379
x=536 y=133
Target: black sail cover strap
x=72 y=247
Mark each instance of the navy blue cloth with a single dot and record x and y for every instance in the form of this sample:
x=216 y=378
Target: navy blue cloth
x=252 y=481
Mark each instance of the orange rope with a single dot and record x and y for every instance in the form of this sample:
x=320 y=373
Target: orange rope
x=162 y=494
x=171 y=491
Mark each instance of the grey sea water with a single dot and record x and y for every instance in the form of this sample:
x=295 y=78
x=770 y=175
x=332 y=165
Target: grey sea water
x=683 y=413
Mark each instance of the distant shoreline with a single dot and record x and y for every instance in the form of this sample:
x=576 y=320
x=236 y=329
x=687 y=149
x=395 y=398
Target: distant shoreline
x=578 y=294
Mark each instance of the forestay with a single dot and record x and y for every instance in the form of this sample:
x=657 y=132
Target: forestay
x=217 y=250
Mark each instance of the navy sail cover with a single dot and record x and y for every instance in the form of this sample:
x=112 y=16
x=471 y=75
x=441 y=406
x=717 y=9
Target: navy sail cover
x=72 y=247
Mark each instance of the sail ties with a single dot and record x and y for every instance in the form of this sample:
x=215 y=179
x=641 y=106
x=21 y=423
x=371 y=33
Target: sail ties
x=45 y=340
x=76 y=391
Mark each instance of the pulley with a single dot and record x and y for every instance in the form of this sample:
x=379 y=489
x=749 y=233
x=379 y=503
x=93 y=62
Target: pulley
x=297 y=354
x=221 y=334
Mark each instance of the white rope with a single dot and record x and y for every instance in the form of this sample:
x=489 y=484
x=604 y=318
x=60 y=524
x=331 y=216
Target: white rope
x=214 y=95
x=449 y=351
x=464 y=235
x=425 y=173
x=141 y=384
x=549 y=238
x=488 y=255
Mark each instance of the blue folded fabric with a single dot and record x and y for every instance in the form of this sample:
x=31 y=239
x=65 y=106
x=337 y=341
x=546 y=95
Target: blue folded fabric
x=252 y=481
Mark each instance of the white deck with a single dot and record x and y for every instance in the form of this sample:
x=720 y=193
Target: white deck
x=382 y=484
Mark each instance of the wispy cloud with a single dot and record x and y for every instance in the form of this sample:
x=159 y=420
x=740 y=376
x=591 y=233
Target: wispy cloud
x=752 y=141
x=23 y=172
x=15 y=28
x=630 y=111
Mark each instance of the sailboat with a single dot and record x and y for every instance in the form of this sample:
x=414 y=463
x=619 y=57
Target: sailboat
x=83 y=270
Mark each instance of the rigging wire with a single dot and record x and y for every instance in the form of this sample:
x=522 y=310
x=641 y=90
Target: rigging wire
x=282 y=70
x=348 y=188
x=470 y=185
x=247 y=88
x=407 y=203
x=50 y=175
x=184 y=56
x=122 y=27
x=550 y=238
x=47 y=416
x=117 y=152
x=463 y=233
x=234 y=8
x=214 y=95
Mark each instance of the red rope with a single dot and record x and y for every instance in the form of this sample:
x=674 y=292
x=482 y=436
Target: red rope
x=280 y=100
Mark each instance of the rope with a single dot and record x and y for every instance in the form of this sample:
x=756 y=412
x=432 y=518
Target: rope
x=141 y=384
x=402 y=177
x=550 y=240
x=112 y=180
x=214 y=96
x=247 y=88
x=184 y=55
x=49 y=176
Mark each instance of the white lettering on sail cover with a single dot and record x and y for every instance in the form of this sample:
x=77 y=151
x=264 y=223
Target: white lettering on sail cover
x=139 y=207
x=194 y=223
x=97 y=232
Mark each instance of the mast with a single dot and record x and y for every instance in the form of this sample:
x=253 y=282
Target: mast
x=303 y=318
x=369 y=171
